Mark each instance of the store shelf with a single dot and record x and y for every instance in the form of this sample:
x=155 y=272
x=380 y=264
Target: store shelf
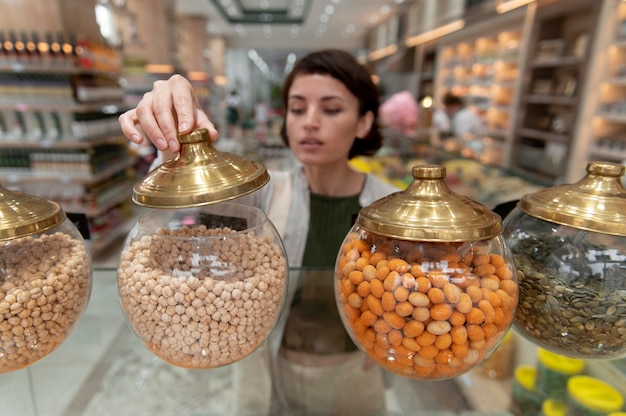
x=13 y=176
x=552 y=96
x=602 y=130
x=546 y=136
x=60 y=138
x=63 y=144
x=551 y=100
x=483 y=67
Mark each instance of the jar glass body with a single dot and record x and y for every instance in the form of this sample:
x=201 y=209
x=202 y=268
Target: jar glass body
x=425 y=310
x=45 y=284
x=203 y=287
x=572 y=287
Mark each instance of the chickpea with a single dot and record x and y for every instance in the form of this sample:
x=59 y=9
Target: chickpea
x=44 y=299
x=214 y=320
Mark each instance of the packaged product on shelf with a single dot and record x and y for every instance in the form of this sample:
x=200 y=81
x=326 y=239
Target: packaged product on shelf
x=553 y=372
x=551 y=407
x=589 y=396
x=525 y=399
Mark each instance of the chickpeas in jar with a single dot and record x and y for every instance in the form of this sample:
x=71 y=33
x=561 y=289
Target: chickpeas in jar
x=200 y=294
x=425 y=310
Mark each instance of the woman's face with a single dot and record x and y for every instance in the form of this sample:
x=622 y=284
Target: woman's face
x=323 y=119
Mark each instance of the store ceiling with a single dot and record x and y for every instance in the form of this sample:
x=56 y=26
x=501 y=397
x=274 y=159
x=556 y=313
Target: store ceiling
x=290 y=24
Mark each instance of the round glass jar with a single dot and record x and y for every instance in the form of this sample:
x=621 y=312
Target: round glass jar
x=201 y=280
x=45 y=278
x=203 y=287
x=425 y=284
x=569 y=245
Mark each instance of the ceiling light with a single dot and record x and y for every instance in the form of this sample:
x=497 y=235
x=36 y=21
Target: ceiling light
x=329 y=9
x=374 y=18
x=265 y=4
x=324 y=18
x=385 y=9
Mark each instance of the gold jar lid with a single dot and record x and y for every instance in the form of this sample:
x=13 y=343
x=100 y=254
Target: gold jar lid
x=22 y=214
x=428 y=210
x=199 y=175
x=595 y=203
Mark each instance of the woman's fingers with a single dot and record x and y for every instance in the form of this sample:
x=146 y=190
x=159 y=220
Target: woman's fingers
x=170 y=108
x=128 y=121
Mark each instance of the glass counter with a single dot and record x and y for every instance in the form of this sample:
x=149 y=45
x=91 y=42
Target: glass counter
x=104 y=369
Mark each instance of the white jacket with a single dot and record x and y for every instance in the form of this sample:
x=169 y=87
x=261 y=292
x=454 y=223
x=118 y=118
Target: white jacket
x=298 y=214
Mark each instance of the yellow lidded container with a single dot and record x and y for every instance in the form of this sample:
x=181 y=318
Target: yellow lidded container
x=551 y=407
x=589 y=396
x=553 y=371
x=525 y=400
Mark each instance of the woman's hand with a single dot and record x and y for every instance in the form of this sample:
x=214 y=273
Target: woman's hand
x=170 y=108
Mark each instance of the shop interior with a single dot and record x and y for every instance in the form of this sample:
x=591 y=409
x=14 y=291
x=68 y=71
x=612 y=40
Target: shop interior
x=545 y=78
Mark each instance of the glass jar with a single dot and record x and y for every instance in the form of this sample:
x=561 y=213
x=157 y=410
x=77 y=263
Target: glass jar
x=203 y=287
x=525 y=399
x=551 y=407
x=553 y=372
x=589 y=396
x=45 y=278
x=202 y=280
x=425 y=285
x=569 y=244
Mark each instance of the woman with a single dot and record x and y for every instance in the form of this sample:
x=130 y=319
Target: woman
x=331 y=117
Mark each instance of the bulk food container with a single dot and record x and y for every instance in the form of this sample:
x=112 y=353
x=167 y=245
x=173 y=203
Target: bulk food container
x=569 y=245
x=45 y=278
x=202 y=280
x=425 y=284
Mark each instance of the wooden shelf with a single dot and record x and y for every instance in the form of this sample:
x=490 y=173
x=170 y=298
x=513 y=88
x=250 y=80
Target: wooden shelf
x=615 y=118
x=557 y=62
x=20 y=67
x=105 y=107
x=14 y=176
x=551 y=99
x=66 y=143
x=544 y=135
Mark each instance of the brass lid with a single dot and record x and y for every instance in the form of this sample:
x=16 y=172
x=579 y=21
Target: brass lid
x=429 y=211
x=199 y=175
x=595 y=203
x=22 y=214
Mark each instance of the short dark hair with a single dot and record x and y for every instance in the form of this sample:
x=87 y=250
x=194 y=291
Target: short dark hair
x=451 y=99
x=344 y=67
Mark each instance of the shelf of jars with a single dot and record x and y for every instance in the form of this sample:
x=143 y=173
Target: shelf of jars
x=59 y=134
x=483 y=72
x=609 y=123
x=553 y=94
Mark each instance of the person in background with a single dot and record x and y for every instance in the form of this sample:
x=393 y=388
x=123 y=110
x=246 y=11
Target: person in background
x=233 y=114
x=463 y=120
x=331 y=117
x=400 y=113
